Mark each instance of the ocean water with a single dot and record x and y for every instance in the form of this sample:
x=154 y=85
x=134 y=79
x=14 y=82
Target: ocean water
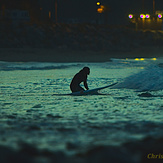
x=34 y=111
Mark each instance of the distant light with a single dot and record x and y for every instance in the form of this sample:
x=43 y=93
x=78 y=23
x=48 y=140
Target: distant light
x=154 y=59
x=147 y=16
x=130 y=16
x=49 y=14
x=139 y=59
x=98 y=3
x=99 y=10
x=142 y=59
x=142 y=68
x=102 y=6
x=142 y=16
x=160 y=16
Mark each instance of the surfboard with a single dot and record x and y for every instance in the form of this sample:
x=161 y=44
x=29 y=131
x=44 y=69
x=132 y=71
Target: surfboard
x=91 y=91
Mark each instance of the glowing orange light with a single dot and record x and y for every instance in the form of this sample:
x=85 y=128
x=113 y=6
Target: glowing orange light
x=137 y=59
x=102 y=6
x=99 y=10
x=49 y=14
x=154 y=59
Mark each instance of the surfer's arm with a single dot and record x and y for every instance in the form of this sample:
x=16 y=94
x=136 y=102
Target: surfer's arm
x=86 y=85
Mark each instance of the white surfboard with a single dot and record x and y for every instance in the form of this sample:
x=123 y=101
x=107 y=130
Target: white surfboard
x=91 y=91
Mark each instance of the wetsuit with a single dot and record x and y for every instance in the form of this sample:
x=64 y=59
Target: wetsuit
x=77 y=79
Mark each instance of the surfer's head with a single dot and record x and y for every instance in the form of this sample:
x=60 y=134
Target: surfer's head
x=86 y=70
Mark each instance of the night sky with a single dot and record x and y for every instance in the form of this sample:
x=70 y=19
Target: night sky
x=85 y=10
x=118 y=13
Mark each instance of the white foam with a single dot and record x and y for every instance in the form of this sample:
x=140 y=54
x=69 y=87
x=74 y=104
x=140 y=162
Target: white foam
x=150 y=78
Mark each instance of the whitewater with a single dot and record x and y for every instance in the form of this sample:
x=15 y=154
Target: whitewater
x=33 y=111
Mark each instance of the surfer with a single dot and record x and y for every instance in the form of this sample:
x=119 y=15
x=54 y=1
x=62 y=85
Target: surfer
x=81 y=76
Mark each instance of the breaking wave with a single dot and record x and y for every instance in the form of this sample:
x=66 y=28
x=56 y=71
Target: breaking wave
x=149 y=79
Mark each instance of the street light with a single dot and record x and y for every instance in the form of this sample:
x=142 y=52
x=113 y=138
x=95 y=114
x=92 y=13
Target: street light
x=147 y=16
x=130 y=16
x=142 y=16
x=160 y=16
x=98 y=3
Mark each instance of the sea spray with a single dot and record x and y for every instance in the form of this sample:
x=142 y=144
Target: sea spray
x=149 y=79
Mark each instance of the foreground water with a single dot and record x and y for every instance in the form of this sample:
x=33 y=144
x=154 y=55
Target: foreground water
x=34 y=112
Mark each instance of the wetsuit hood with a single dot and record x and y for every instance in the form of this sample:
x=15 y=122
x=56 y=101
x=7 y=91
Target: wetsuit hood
x=86 y=70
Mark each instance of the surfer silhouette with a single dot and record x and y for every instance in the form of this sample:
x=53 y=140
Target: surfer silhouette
x=80 y=77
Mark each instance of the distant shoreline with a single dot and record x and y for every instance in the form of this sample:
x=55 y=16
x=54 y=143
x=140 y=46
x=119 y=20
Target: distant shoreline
x=60 y=55
x=76 y=43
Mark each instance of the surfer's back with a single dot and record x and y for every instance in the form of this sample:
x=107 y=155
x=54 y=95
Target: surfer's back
x=78 y=78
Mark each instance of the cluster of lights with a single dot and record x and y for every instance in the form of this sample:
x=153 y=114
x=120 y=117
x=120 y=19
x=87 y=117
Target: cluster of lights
x=142 y=59
x=101 y=8
x=142 y=16
x=139 y=59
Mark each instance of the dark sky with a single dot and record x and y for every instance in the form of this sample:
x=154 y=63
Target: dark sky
x=86 y=9
x=119 y=9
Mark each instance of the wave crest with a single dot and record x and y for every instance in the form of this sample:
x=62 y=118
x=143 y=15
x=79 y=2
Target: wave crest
x=150 y=79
